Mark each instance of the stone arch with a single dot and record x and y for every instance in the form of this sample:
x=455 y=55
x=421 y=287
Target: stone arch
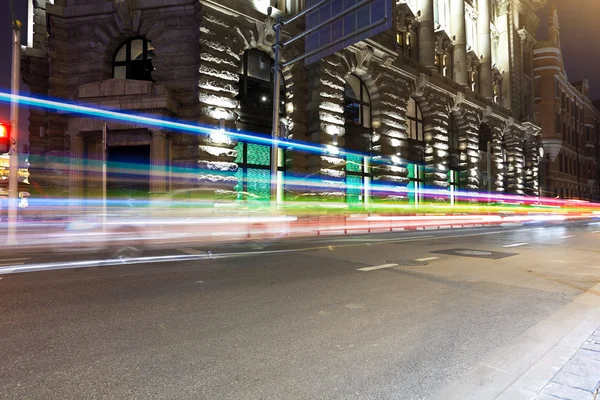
x=467 y=122
x=435 y=107
x=531 y=165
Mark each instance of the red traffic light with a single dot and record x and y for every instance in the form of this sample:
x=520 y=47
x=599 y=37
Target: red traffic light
x=4 y=137
x=3 y=131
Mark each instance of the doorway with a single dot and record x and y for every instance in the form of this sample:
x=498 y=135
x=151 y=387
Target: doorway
x=128 y=172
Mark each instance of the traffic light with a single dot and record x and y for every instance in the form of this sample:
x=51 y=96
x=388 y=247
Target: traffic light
x=4 y=137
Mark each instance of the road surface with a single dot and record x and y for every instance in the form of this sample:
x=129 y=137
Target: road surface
x=381 y=316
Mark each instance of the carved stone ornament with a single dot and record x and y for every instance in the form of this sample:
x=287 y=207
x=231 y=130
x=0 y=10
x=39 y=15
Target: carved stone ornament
x=506 y=131
x=458 y=100
x=421 y=83
x=364 y=57
x=387 y=61
x=266 y=34
x=487 y=113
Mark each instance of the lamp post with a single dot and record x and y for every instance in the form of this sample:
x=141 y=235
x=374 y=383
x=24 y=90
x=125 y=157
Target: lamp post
x=13 y=181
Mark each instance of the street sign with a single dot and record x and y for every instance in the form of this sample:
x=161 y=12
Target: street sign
x=338 y=24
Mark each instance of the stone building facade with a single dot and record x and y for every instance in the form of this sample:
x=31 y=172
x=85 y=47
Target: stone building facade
x=570 y=124
x=427 y=95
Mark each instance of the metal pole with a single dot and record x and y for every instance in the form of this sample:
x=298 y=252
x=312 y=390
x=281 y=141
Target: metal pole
x=104 y=196
x=13 y=181
x=276 y=105
x=489 y=166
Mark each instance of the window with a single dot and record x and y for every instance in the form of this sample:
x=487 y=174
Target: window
x=497 y=91
x=474 y=80
x=133 y=60
x=471 y=28
x=256 y=81
x=256 y=91
x=414 y=121
x=441 y=15
x=254 y=171
x=442 y=62
x=357 y=103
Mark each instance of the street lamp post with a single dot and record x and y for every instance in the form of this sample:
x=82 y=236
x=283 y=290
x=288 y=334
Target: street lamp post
x=13 y=182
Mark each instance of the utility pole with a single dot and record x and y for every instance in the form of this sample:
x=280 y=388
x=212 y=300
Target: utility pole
x=13 y=181
x=276 y=108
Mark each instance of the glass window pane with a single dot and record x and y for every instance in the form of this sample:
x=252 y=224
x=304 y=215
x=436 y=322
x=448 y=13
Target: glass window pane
x=366 y=117
x=352 y=113
x=365 y=94
x=122 y=54
x=419 y=115
x=150 y=54
x=259 y=65
x=258 y=154
x=413 y=130
x=119 y=72
x=137 y=49
x=352 y=87
x=410 y=109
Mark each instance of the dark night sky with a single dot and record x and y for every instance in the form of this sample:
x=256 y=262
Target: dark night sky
x=580 y=34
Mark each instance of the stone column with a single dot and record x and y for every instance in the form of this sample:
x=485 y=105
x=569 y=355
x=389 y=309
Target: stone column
x=158 y=157
x=76 y=172
x=457 y=25
x=484 y=42
x=426 y=34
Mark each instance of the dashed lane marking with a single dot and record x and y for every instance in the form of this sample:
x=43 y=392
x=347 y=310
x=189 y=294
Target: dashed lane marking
x=10 y=264
x=377 y=267
x=566 y=237
x=596 y=232
x=515 y=245
x=427 y=258
x=191 y=251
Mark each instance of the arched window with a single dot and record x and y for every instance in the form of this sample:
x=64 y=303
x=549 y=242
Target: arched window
x=485 y=136
x=256 y=91
x=357 y=103
x=133 y=60
x=414 y=121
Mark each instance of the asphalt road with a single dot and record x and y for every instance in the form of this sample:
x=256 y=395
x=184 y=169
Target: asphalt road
x=295 y=319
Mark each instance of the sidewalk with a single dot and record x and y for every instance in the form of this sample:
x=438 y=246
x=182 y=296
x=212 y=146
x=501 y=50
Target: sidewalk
x=580 y=377
x=559 y=358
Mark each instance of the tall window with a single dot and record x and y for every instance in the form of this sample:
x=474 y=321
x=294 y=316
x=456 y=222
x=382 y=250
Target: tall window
x=256 y=91
x=415 y=130
x=133 y=60
x=471 y=28
x=443 y=61
x=415 y=121
x=357 y=103
x=441 y=15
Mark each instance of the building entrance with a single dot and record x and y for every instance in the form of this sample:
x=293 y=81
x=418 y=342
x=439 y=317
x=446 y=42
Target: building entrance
x=128 y=172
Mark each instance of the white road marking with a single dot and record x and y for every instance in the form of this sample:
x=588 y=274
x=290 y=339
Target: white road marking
x=377 y=267
x=191 y=251
x=427 y=258
x=515 y=245
x=596 y=232
x=381 y=240
x=10 y=264
x=566 y=237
